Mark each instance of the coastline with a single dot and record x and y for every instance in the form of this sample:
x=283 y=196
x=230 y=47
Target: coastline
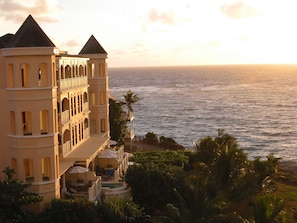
x=286 y=166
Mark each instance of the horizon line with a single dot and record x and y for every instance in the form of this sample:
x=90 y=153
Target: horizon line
x=204 y=65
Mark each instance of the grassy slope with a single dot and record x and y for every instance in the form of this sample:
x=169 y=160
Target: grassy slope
x=286 y=183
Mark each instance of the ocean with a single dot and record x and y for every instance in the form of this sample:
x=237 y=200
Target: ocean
x=257 y=104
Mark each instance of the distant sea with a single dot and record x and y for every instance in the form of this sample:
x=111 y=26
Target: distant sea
x=257 y=104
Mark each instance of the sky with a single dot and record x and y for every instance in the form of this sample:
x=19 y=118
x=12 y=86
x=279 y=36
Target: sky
x=166 y=32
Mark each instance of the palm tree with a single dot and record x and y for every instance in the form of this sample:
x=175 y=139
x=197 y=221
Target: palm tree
x=130 y=98
x=117 y=122
x=227 y=164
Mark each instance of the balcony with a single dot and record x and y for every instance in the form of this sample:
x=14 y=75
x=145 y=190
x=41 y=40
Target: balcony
x=129 y=116
x=94 y=191
x=72 y=82
x=129 y=135
x=89 y=188
x=86 y=107
x=65 y=148
x=64 y=117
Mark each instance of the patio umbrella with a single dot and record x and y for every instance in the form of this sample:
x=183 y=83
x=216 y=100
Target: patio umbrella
x=108 y=154
x=78 y=169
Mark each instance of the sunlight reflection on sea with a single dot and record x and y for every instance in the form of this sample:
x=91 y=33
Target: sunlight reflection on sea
x=255 y=103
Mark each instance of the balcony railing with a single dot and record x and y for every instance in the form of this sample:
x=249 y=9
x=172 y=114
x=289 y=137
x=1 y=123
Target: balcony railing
x=130 y=134
x=129 y=116
x=72 y=82
x=86 y=133
x=94 y=190
x=87 y=188
x=65 y=148
x=64 y=117
x=86 y=107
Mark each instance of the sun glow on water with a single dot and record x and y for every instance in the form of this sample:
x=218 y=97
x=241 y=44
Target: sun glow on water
x=256 y=103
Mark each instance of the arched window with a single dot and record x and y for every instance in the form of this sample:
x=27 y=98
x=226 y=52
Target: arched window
x=82 y=130
x=66 y=136
x=46 y=168
x=81 y=70
x=85 y=68
x=12 y=122
x=101 y=70
x=103 y=125
x=27 y=123
x=102 y=98
x=59 y=139
x=67 y=71
x=86 y=123
x=91 y=69
x=62 y=72
x=10 y=76
x=42 y=75
x=14 y=165
x=65 y=104
x=72 y=106
x=44 y=122
x=24 y=75
x=85 y=97
x=29 y=170
x=92 y=98
x=81 y=103
x=78 y=104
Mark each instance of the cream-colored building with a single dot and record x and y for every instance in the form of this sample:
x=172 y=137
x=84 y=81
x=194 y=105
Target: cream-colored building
x=54 y=109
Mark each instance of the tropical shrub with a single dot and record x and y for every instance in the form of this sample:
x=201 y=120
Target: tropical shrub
x=64 y=211
x=268 y=209
x=121 y=210
x=153 y=185
x=176 y=158
x=14 y=196
x=151 y=138
x=169 y=143
x=117 y=122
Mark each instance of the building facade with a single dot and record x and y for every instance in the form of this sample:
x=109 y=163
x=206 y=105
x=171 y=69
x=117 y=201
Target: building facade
x=54 y=108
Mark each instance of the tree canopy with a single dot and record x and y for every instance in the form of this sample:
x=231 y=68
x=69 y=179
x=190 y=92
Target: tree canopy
x=14 y=195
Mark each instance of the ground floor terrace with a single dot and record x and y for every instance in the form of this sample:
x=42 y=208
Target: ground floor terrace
x=86 y=177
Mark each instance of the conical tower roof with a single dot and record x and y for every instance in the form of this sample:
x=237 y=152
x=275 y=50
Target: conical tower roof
x=30 y=35
x=92 y=46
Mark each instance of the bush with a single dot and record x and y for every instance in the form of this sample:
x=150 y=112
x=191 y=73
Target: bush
x=121 y=210
x=151 y=138
x=63 y=211
x=170 y=143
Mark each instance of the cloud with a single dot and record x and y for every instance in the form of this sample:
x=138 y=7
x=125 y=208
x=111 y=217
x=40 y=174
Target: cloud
x=161 y=17
x=72 y=43
x=14 y=11
x=239 y=10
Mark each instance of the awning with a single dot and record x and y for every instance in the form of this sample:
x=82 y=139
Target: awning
x=88 y=151
x=64 y=166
